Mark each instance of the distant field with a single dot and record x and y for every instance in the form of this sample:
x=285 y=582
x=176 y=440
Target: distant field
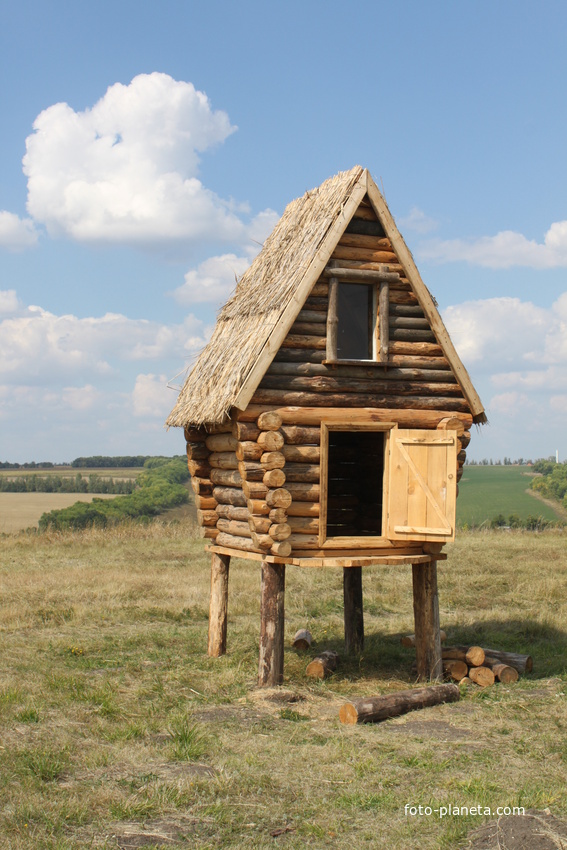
x=23 y=510
x=486 y=491
x=116 y=473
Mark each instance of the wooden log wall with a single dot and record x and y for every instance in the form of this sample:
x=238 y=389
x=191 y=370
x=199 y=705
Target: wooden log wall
x=257 y=478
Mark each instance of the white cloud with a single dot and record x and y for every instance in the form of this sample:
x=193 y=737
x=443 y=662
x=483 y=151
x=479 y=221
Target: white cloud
x=38 y=346
x=151 y=397
x=8 y=301
x=417 y=221
x=504 y=250
x=16 y=234
x=125 y=170
x=213 y=280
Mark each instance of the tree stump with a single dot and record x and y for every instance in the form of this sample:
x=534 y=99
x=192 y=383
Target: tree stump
x=218 y=606
x=270 y=664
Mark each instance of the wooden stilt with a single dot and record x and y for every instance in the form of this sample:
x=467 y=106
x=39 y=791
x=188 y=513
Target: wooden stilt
x=218 y=607
x=354 y=616
x=270 y=666
x=426 y=614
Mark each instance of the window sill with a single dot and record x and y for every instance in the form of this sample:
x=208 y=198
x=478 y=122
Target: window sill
x=364 y=363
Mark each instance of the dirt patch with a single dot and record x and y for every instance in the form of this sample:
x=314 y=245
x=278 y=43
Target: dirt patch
x=128 y=835
x=164 y=771
x=532 y=831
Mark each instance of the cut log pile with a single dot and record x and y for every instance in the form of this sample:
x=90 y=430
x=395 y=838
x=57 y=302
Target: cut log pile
x=483 y=666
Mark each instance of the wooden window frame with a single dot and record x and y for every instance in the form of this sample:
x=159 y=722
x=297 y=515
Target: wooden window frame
x=379 y=323
x=367 y=542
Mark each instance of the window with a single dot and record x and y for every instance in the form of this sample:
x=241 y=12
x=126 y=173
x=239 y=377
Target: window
x=382 y=483
x=358 y=318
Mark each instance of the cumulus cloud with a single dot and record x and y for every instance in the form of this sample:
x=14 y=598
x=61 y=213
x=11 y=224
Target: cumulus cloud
x=39 y=346
x=151 y=397
x=16 y=234
x=504 y=250
x=125 y=170
x=212 y=281
x=417 y=221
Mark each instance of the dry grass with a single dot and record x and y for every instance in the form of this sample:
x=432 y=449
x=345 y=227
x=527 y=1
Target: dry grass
x=118 y=731
x=19 y=511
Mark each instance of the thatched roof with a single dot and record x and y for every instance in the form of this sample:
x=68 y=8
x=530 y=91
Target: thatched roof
x=252 y=325
x=264 y=291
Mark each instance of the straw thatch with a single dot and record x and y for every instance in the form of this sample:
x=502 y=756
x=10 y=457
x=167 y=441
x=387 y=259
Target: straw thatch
x=264 y=291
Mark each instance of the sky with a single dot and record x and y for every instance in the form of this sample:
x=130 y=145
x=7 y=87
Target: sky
x=149 y=148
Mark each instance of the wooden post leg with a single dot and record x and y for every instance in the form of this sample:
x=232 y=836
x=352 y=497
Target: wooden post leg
x=270 y=665
x=426 y=614
x=218 y=606
x=354 y=615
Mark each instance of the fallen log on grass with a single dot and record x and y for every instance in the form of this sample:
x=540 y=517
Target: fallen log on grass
x=323 y=665
x=376 y=709
x=302 y=638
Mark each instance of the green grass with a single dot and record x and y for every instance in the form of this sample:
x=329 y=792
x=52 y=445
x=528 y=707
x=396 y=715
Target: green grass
x=486 y=491
x=115 y=726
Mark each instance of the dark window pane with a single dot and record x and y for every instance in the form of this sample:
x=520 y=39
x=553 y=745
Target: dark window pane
x=354 y=336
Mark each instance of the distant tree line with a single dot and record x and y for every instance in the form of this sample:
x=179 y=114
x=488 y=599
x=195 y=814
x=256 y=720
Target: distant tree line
x=45 y=464
x=98 y=461
x=159 y=487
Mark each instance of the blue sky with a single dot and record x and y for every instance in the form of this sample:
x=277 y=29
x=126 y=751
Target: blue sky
x=148 y=149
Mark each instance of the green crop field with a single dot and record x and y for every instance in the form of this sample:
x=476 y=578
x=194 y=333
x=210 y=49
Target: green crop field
x=487 y=491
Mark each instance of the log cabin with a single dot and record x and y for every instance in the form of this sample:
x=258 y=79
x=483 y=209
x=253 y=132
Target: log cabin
x=327 y=419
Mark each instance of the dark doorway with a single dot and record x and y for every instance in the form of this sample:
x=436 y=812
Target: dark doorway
x=355 y=483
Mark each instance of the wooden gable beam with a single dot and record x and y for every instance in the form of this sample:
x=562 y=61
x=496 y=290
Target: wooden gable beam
x=424 y=297
x=288 y=317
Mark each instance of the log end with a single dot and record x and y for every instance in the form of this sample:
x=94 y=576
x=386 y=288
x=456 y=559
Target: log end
x=348 y=714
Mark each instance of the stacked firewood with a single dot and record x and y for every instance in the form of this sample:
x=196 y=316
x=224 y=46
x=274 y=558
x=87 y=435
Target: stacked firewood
x=483 y=666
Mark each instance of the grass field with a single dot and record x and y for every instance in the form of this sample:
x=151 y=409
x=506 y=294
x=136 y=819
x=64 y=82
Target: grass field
x=23 y=510
x=486 y=491
x=116 y=473
x=116 y=729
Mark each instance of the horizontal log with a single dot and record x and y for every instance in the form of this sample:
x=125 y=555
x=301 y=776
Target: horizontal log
x=303 y=525
x=284 y=398
x=272 y=460
x=279 y=531
x=303 y=436
x=278 y=515
x=368 y=254
x=221 y=443
x=259 y=524
x=209 y=532
x=473 y=656
x=220 y=427
x=254 y=489
x=464 y=439
x=323 y=665
x=366 y=212
x=274 y=478
x=230 y=541
x=421 y=349
x=199 y=469
x=195 y=435
x=208 y=517
x=346 y=384
x=262 y=541
x=375 y=709
x=226 y=477
x=320 y=290
x=310 y=328
x=223 y=460
x=302 y=492
x=278 y=498
x=373 y=372
x=301 y=454
x=300 y=355
x=304 y=541
x=201 y=486
x=316 y=304
x=312 y=416
x=404 y=310
x=269 y=420
x=258 y=507
x=282 y=548
x=409 y=322
x=304 y=341
x=503 y=672
x=400 y=295
x=197 y=451
x=305 y=317
x=409 y=361
x=249 y=451
x=302 y=472
x=410 y=335
x=393 y=266
x=451 y=423
x=230 y=496
x=306 y=509
x=251 y=470
x=232 y=526
x=359 y=240
x=455 y=669
x=370 y=276
x=271 y=441
x=205 y=503
x=245 y=432
x=232 y=512
x=521 y=663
